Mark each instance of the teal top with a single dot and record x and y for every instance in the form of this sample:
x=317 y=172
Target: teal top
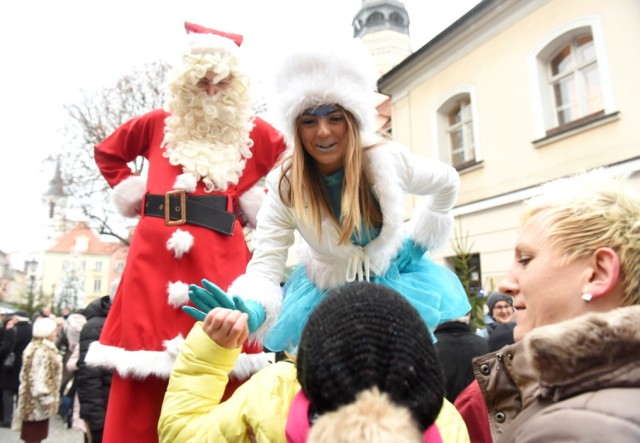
x=333 y=184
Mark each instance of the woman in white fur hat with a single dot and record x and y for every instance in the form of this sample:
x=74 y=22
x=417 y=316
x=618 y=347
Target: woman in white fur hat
x=342 y=187
x=40 y=376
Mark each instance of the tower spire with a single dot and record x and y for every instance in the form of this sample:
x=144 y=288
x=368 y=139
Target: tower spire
x=383 y=25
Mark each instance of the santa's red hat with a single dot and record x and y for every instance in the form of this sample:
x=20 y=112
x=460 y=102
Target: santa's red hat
x=193 y=28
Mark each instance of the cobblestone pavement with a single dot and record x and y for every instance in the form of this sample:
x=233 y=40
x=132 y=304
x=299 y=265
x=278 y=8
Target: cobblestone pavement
x=58 y=433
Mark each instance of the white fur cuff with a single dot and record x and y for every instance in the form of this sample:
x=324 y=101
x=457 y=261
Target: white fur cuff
x=431 y=229
x=127 y=195
x=248 y=364
x=264 y=291
x=250 y=203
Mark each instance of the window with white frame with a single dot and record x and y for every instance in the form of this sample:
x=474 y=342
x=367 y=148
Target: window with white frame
x=575 y=80
x=457 y=141
x=569 y=68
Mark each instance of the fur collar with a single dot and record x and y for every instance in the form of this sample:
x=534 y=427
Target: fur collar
x=596 y=345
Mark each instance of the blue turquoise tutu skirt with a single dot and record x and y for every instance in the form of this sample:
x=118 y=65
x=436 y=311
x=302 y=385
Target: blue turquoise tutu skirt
x=433 y=290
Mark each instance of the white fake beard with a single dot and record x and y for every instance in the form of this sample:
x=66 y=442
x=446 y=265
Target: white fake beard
x=211 y=139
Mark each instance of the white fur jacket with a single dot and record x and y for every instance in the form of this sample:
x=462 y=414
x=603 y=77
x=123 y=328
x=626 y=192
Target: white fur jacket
x=394 y=172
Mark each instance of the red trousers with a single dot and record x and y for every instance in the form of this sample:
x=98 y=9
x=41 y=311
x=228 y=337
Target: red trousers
x=134 y=408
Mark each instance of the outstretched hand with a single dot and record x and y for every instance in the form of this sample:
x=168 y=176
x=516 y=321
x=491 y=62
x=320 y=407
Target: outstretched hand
x=227 y=327
x=210 y=296
x=206 y=298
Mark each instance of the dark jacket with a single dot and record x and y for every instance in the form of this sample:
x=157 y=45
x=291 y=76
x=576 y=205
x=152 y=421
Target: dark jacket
x=456 y=346
x=19 y=337
x=578 y=380
x=93 y=384
x=500 y=335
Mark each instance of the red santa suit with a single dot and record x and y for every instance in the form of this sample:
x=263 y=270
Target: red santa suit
x=146 y=325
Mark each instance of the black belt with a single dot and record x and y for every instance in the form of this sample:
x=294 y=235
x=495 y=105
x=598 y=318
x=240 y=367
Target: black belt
x=177 y=208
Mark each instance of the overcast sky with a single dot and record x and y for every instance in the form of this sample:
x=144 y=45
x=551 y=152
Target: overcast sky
x=49 y=50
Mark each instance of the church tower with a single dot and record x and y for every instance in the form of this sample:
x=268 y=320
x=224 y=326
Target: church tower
x=383 y=26
x=55 y=199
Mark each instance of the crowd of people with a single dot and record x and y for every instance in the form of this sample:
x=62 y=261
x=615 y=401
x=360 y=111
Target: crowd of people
x=372 y=335
x=46 y=375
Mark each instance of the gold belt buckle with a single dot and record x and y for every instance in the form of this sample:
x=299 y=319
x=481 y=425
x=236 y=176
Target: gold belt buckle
x=167 y=208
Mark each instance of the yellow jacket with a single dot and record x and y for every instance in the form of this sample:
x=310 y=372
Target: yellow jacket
x=256 y=412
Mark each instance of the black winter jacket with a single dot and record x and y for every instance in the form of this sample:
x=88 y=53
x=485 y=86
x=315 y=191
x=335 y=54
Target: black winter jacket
x=456 y=347
x=19 y=337
x=93 y=384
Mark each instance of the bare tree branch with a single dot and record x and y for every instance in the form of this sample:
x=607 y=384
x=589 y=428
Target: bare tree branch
x=90 y=121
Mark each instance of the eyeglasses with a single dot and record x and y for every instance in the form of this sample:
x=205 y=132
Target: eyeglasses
x=503 y=307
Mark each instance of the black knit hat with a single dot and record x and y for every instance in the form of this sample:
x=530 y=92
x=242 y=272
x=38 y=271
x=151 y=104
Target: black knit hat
x=364 y=335
x=495 y=297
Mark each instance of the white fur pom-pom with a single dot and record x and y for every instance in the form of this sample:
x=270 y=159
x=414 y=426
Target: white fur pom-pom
x=186 y=182
x=373 y=413
x=180 y=243
x=178 y=294
x=127 y=195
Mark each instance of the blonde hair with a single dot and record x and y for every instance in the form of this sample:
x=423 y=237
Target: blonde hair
x=305 y=193
x=591 y=210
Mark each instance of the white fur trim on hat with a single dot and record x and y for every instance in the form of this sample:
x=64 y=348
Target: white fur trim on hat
x=44 y=327
x=180 y=242
x=72 y=327
x=127 y=195
x=207 y=43
x=178 y=294
x=332 y=73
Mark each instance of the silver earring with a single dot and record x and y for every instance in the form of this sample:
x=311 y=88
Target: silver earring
x=587 y=297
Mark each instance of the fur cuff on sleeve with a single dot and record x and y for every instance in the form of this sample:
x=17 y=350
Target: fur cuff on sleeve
x=264 y=291
x=431 y=229
x=127 y=195
x=250 y=203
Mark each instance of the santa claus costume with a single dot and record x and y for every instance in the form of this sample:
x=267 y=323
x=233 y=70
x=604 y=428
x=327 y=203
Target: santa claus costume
x=204 y=152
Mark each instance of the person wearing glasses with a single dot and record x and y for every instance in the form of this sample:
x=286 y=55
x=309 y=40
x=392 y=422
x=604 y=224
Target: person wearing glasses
x=499 y=323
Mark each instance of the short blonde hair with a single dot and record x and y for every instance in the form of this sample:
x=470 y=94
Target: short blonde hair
x=591 y=210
